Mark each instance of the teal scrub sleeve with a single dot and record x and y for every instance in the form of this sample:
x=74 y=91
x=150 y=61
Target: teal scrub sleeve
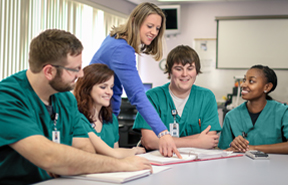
x=116 y=128
x=210 y=116
x=79 y=129
x=16 y=119
x=78 y=118
x=226 y=136
x=109 y=133
x=140 y=123
x=86 y=125
x=285 y=124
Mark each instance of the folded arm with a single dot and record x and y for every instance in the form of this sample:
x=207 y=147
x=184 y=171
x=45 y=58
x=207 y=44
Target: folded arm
x=207 y=139
x=239 y=144
x=279 y=148
x=65 y=160
x=83 y=144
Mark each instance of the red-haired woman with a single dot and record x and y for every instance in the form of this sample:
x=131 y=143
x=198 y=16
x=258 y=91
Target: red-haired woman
x=93 y=92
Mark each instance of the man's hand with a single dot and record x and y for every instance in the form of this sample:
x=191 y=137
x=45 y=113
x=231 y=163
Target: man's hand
x=240 y=144
x=207 y=140
x=136 y=163
x=53 y=175
x=167 y=146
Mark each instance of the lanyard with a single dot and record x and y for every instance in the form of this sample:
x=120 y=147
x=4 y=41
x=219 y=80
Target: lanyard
x=55 y=121
x=174 y=113
x=174 y=127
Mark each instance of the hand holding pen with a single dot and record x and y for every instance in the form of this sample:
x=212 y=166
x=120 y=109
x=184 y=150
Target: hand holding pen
x=240 y=143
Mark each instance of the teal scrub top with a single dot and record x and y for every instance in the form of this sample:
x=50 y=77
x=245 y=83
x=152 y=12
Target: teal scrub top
x=201 y=104
x=271 y=126
x=23 y=114
x=110 y=132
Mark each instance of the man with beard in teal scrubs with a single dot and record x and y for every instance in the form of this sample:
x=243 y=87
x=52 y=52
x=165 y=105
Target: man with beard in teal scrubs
x=39 y=118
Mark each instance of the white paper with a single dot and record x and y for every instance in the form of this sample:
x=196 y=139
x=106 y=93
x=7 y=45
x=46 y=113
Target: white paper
x=156 y=157
x=119 y=177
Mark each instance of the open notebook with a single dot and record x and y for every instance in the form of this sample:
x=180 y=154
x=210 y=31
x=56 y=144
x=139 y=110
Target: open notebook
x=119 y=177
x=188 y=155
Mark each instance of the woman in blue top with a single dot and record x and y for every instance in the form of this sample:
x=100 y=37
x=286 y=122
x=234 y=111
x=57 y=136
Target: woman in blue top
x=93 y=92
x=260 y=123
x=143 y=33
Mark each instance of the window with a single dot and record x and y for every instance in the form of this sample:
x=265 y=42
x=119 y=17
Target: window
x=20 y=21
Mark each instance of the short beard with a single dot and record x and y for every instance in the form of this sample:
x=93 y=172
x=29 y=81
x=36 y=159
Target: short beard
x=58 y=85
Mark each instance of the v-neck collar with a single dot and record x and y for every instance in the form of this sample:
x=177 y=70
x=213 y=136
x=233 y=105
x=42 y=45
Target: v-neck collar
x=249 y=125
x=172 y=105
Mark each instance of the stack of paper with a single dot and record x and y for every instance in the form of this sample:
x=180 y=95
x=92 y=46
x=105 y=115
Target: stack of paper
x=188 y=155
x=204 y=153
x=156 y=158
x=119 y=177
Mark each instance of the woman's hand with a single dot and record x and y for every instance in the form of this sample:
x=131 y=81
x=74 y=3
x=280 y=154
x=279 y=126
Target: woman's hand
x=139 y=150
x=240 y=144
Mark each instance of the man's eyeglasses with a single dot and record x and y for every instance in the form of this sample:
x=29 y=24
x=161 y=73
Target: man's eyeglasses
x=66 y=68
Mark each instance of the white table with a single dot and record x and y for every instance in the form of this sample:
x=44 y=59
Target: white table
x=231 y=171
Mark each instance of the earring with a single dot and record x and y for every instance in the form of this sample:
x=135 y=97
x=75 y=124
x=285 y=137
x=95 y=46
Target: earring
x=265 y=91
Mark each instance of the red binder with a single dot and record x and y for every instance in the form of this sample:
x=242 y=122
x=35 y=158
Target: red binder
x=196 y=160
x=189 y=155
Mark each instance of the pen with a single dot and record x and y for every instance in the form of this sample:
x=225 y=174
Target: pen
x=244 y=135
x=199 y=121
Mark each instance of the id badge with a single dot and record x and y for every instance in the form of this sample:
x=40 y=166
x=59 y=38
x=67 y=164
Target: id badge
x=56 y=136
x=174 y=129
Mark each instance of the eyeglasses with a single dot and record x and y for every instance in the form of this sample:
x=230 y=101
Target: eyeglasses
x=66 y=68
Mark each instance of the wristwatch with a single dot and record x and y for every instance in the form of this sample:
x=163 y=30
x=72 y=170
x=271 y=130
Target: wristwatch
x=163 y=134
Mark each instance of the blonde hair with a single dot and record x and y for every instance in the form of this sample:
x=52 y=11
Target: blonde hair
x=130 y=30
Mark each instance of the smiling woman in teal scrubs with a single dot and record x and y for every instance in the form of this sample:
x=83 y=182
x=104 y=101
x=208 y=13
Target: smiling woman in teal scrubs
x=260 y=123
x=93 y=93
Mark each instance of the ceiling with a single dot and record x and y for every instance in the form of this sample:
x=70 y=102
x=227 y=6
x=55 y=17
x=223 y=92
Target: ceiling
x=185 y=1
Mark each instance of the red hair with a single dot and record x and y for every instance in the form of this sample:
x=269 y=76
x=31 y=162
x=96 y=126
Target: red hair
x=93 y=74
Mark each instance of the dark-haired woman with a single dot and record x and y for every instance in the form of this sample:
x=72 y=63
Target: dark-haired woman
x=93 y=92
x=260 y=123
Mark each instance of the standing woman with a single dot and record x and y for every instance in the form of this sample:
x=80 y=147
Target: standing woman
x=93 y=93
x=260 y=123
x=143 y=33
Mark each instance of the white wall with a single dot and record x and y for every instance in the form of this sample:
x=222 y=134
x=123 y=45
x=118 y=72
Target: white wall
x=198 y=21
x=121 y=6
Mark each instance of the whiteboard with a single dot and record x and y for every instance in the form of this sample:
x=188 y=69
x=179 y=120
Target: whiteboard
x=244 y=43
